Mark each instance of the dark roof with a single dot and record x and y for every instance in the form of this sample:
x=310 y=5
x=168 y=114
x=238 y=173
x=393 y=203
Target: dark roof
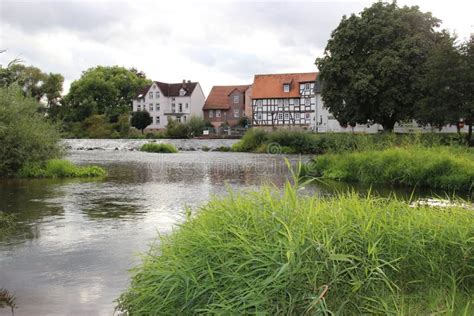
x=171 y=89
x=219 y=96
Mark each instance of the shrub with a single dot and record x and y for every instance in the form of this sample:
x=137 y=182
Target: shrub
x=26 y=137
x=158 y=148
x=58 y=168
x=439 y=167
x=284 y=254
x=251 y=140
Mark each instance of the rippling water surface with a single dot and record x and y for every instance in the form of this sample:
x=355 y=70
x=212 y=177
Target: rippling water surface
x=78 y=238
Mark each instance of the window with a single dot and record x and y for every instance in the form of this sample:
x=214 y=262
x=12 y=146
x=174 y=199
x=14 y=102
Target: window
x=187 y=106
x=157 y=94
x=307 y=101
x=259 y=102
x=236 y=99
x=297 y=116
x=286 y=87
x=287 y=116
x=157 y=107
x=259 y=116
x=157 y=120
x=173 y=99
x=184 y=118
x=306 y=86
x=280 y=116
x=150 y=107
x=150 y=95
x=211 y=113
x=139 y=107
x=297 y=101
x=307 y=115
x=285 y=102
x=173 y=108
x=236 y=113
x=180 y=106
x=292 y=102
x=280 y=102
x=265 y=102
x=178 y=119
x=218 y=113
x=182 y=92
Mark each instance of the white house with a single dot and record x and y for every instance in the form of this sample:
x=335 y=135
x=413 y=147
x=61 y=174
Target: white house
x=162 y=100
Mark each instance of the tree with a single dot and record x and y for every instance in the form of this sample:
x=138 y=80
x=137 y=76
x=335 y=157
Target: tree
x=467 y=74
x=372 y=63
x=141 y=119
x=441 y=85
x=25 y=136
x=104 y=90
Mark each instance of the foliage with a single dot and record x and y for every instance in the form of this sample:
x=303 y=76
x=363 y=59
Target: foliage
x=441 y=85
x=467 y=74
x=372 y=64
x=159 y=148
x=243 y=122
x=270 y=253
x=437 y=167
x=176 y=129
x=7 y=300
x=197 y=125
x=141 y=119
x=59 y=168
x=299 y=142
x=97 y=126
x=103 y=90
x=7 y=225
x=25 y=136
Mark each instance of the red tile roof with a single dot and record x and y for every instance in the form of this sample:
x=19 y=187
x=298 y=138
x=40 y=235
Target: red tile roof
x=219 y=97
x=271 y=85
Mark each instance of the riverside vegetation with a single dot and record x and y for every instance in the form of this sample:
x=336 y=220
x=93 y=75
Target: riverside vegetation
x=437 y=167
x=30 y=143
x=159 y=148
x=270 y=253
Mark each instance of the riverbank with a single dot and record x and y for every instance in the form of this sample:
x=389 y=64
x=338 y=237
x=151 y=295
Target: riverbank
x=440 y=167
x=268 y=253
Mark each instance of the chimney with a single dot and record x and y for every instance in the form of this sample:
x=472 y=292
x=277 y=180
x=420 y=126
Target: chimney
x=189 y=81
x=184 y=83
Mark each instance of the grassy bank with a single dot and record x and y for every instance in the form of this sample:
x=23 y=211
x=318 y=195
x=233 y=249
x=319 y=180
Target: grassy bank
x=59 y=168
x=439 y=167
x=158 y=148
x=298 y=142
x=269 y=254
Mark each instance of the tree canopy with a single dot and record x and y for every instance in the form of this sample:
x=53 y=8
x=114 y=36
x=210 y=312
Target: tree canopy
x=141 y=119
x=104 y=90
x=373 y=61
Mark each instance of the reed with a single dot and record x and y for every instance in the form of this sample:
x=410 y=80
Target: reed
x=60 y=168
x=446 y=168
x=269 y=252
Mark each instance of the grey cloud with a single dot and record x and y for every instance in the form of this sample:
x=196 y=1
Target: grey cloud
x=37 y=17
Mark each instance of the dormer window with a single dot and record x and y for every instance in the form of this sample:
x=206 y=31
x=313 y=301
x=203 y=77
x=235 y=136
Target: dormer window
x=286 y=87
x=182 y=92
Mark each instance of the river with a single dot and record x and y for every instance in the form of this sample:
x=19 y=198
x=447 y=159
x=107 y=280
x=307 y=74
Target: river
x=78 y=238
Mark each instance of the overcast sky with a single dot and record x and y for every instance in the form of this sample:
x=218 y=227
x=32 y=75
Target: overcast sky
x=215 y=43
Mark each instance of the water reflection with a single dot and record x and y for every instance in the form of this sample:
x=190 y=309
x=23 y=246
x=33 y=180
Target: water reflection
x=76 y=239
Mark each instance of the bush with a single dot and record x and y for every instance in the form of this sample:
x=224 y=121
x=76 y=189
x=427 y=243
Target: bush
x=269 y=253
x=447 y=168
x=301 y=142
x=58 y=168
x=158 y=148
x=26 y=137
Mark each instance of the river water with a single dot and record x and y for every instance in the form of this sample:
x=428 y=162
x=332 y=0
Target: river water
x=77 y=239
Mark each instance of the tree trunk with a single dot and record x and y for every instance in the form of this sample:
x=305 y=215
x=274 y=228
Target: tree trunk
x=388 y=124
x=142 y=130
x=469 y=134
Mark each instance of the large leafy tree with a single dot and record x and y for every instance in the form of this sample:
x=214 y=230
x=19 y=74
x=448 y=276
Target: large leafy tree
x=104 y=90
x=466 y=109
x=441 y=85
x=373 y=61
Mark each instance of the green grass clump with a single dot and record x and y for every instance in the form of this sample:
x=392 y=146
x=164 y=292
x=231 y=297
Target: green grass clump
x=269 y=253
x=447 y=168
x=158 y=148
x=7 y=224
x=59 y=168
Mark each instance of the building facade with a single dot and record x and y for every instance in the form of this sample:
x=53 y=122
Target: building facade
x=284 y=100
x=226 y=105
x=163 y=101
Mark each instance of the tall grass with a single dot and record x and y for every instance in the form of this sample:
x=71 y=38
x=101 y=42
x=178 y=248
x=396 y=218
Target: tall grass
x=158 y=148
x=59 y=168
x=438 y=167
x=300 y=142
x=7 y=224
x=285 y=254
